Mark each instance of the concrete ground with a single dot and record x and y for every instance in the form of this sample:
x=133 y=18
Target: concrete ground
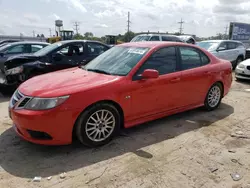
x=191 y=149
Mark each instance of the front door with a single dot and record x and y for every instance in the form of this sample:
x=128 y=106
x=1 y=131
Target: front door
x=196 y=77
x=153 y=96
x=67 y=56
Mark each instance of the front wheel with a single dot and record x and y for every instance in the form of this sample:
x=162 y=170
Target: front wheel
x=97 y=125
x=214 y=96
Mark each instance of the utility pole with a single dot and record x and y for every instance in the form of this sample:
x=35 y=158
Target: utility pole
x=181 y=26
x=129 y=22
x=76 y=27
x=50 y=32
x=226 y=28
x=34 y=34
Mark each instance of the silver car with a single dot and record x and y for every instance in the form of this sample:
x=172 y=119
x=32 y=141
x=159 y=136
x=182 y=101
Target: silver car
x=242 y=70
x=233 y=51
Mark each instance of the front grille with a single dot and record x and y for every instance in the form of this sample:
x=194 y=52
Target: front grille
x=248 y=67
x=244 y=75
x=19 y=98
x=24 y=102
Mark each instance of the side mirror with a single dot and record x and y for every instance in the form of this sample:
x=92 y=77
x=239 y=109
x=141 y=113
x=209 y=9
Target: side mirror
x=57 y=56
x=221 y=49
x=150 y=73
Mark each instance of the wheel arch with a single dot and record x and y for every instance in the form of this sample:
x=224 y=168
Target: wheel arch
x=115 y=104
x=222 y=86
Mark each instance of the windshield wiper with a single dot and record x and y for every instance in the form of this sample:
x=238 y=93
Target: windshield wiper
x=99 y=71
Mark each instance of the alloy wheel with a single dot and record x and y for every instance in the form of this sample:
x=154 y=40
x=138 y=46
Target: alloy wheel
x=214 y=96
x=100 y=125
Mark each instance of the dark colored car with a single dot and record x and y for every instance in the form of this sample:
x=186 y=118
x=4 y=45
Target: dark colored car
x=4 y=42
x=57 y=56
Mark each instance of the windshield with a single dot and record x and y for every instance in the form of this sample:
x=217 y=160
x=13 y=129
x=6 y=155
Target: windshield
x=140 y=38
x=4 y=46
x=48 y=49
x=117 y=61
x=209 y=46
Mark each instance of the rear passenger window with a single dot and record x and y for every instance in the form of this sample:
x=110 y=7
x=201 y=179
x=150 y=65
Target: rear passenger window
x=154 y=38
x=231 y=45
x=163 y=60
x=192 y=58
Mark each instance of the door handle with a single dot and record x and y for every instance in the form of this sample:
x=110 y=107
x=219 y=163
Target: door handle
x=175 y=80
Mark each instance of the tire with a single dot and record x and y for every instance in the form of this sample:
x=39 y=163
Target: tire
x=89 y=130
x=238 y=60
x=208 y=104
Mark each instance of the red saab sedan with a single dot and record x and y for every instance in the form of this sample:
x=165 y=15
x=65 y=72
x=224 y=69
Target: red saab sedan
x=127 y=85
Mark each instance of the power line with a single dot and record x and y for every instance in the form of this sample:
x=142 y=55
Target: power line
x=76 y=25
x=181 y=25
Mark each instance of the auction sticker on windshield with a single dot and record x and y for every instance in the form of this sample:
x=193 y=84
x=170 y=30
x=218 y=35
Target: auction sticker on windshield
x=137 y=51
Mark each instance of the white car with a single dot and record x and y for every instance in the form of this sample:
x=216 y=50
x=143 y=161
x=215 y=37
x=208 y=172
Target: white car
x=242 y=70
x=233 y=51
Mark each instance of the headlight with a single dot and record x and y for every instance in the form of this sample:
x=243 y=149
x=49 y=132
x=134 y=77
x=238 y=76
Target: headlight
x=15 y=70
x=45 y=103
x=241 y=66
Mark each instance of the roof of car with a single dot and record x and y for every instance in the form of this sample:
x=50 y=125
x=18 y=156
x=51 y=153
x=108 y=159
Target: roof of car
x=29 y=42
x=220 y=41
x=156 y=34
x=152 y=44
x=70 y=41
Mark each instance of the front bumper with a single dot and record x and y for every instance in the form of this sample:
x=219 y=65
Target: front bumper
x=242 y=73
x=49 y=127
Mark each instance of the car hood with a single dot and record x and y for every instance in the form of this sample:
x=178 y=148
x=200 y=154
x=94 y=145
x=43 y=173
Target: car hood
x=64 y=82
x=246 y=62
x=17 y=60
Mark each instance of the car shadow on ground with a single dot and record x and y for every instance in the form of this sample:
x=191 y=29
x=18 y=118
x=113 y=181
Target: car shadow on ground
x=27 y=160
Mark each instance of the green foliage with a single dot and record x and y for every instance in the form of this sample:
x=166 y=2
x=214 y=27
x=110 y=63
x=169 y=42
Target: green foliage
x=90 y=36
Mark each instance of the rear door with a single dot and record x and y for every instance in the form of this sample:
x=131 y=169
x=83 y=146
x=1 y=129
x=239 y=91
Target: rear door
x=232 y=52
x=223 y=54
x=94 y=49
x=196 y=75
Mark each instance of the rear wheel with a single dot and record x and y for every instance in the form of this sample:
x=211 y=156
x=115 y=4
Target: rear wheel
x=97 y=125
x=214 y=96
x=238 y=61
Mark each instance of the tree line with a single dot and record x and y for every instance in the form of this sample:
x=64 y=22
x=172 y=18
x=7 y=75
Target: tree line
x=90 y=36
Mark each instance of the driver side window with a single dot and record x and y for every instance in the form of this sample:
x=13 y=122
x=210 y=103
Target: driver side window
x=163 y=60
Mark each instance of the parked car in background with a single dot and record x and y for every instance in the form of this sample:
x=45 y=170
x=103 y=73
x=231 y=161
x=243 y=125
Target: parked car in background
x=187 y=39
x=156 y=37
x=242 y=70
x=8 y=41
x=233 y=51
x=129 y=84
x=17 y=48
x=57 y=56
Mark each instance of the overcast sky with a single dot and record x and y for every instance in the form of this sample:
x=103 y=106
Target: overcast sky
x=202 y=17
